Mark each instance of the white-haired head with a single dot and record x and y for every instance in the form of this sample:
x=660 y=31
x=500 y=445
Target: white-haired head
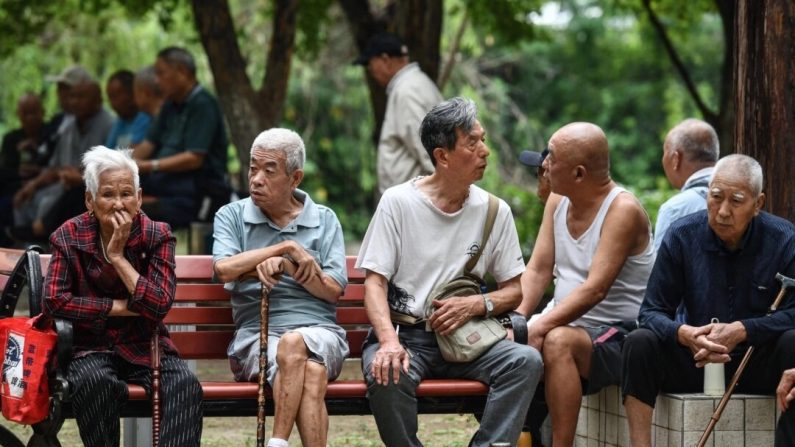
x=286 y=140
x=99 y=159
x=744 y=166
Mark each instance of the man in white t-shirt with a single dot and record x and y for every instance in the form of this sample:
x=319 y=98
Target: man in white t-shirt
x=422 y=234
x=595 y=240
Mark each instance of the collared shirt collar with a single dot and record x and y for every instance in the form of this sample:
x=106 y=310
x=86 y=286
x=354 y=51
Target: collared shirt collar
x=308 y=218
x=714 y=243
x=698 y=176
x=412 y=66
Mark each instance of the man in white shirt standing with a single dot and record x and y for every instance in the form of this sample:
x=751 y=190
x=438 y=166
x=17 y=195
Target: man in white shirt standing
x=410 y=95
x=690 y=152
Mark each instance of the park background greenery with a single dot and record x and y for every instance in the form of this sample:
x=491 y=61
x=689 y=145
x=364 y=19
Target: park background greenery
x=597 y=61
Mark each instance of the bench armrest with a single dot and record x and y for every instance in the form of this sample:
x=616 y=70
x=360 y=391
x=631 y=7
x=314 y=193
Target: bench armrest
x=64 y=351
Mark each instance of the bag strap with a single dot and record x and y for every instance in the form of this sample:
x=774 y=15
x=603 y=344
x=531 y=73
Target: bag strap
x=491 y=216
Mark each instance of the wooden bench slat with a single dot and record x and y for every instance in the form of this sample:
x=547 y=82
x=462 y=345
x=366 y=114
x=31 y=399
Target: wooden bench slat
x=200 y=292
x=202 y=345
x=199 y=315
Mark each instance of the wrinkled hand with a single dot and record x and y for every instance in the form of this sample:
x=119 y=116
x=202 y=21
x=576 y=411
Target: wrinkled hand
x=703 y=348
x=728 y=335
x=122 y=222
x=390 y=356
x=451 y=314
x=270 y=271
x=307 y=266
x=785 y=392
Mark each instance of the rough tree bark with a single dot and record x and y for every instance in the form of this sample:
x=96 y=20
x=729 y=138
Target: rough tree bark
x=248 y=111
x=418 y=22
x=764 y=94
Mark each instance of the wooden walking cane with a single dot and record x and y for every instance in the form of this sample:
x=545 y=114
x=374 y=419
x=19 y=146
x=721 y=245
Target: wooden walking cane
x=786 y=284
x=263 y=365
x=154 y=345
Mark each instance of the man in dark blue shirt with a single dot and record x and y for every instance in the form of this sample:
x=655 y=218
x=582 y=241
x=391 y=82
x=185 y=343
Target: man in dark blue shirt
x=720 y=263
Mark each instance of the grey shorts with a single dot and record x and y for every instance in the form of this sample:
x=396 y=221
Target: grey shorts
x=606 y=358
x=326 y=343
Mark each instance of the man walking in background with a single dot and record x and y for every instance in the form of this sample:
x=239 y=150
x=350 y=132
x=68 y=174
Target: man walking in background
x=410 y=95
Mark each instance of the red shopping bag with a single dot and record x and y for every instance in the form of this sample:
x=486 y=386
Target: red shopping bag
x=28 y=344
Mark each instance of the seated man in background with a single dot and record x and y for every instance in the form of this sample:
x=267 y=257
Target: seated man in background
x=595 y=239
x=57 y=193
x=689 y=154
x=422 y=235
x=280 y=239
x=19 y=155
x=184 y=153
x=131 y=125
x=719 y=264
x=147 y=94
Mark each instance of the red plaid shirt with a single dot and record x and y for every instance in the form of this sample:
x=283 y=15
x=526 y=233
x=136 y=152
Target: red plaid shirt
x=80 y=286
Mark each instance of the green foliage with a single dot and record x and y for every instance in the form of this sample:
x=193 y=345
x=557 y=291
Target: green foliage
x=604 y=65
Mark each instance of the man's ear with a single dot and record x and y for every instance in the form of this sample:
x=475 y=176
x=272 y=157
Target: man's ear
x=579 y=172
x=440 y=154
x=760 y=202
x=296 y=178
x=676 y=159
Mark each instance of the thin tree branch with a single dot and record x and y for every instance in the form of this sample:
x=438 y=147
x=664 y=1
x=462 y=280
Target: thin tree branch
x=448 y=67
x=708 y=114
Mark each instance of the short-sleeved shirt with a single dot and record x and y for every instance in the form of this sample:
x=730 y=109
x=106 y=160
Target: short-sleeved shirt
x=416 y=246
x=195 y=125
x=241 y=226
x=126 y=133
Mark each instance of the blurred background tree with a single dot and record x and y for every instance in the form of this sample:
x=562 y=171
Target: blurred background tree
x=531 y=66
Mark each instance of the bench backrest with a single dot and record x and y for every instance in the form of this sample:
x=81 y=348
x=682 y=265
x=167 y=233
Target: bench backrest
x=200 y=322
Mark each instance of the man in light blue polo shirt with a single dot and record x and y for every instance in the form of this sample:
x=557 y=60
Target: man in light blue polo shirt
x=280 y=239
x=690 y=152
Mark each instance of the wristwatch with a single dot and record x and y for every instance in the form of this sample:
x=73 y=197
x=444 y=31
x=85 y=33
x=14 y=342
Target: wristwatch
x=488 y=304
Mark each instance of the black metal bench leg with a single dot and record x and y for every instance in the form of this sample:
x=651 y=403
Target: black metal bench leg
x=8 y=439
x=45 y=433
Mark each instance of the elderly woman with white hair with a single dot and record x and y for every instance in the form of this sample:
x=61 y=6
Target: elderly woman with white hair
x=112 y=275
x=283 y=240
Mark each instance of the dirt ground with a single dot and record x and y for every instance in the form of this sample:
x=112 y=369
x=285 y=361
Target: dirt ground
x=350 y=431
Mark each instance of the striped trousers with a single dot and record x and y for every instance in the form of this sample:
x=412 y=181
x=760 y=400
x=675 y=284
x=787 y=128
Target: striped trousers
x=99 y=384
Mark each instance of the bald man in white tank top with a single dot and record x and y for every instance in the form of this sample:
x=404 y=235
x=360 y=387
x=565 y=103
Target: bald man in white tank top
x=595 y=239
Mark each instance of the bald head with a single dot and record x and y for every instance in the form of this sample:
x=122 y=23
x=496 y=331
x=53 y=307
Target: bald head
x=697 y=141
x=583 y=144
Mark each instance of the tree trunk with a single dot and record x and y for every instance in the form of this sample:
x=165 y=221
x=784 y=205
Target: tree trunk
x=248 y=112
x=765 y=95
x=417 y=22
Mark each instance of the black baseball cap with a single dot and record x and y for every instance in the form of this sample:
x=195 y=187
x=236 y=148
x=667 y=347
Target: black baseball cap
x=382 y=43
x=532 y=158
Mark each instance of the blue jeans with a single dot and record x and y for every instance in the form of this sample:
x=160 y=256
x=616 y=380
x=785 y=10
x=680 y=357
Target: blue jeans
x=511 y=370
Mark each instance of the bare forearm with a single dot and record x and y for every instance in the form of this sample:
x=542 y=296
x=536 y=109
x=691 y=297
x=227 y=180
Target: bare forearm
x=533 y=286
x=233 y=267
x=377 y=308
x=320 y=286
